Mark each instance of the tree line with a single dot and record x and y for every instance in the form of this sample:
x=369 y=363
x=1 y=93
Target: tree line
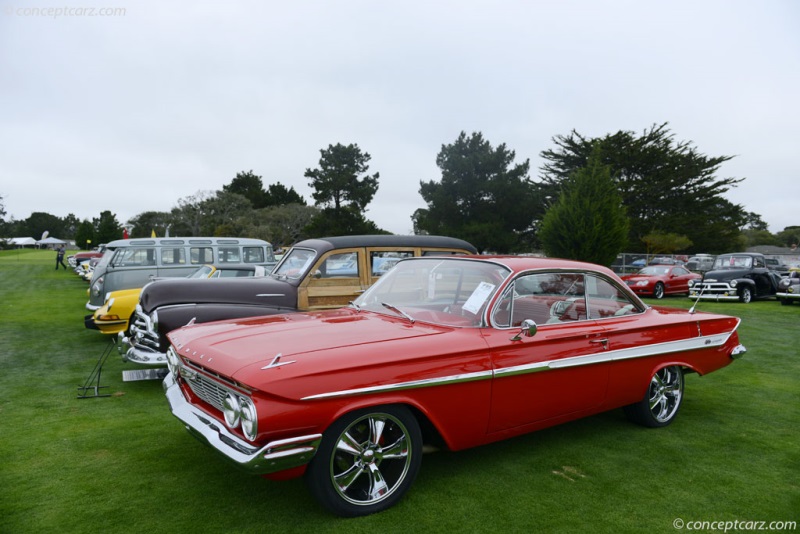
x=592 y=198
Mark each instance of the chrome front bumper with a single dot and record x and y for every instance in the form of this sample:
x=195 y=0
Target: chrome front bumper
x=788 y=295
x=273 y=457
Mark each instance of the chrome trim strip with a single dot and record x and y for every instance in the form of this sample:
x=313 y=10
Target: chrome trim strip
x=654 y=349
x=468 y=377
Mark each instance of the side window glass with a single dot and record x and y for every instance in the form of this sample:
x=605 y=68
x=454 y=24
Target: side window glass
x=760 y=262
x=253 y=255
x=173 y=256
x=607 y=300
x=229 y=255
x=200 y=255
x=382 y=261
x=134 y=257
x=340 y=265
x=545 y=298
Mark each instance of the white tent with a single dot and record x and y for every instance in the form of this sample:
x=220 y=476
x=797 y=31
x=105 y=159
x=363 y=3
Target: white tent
x=50 y=241
x=22 y=241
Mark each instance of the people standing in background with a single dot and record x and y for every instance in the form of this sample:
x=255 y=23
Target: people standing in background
x=60 y=257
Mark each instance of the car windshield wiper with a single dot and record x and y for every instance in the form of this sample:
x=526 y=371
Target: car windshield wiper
x=398 y=310
x=354 y=305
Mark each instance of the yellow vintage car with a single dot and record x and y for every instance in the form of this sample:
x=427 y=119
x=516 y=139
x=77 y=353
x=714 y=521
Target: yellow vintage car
x=119 y=307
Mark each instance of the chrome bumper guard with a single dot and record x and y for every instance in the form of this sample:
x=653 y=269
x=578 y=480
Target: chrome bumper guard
x=738 y=352
x=273 y=457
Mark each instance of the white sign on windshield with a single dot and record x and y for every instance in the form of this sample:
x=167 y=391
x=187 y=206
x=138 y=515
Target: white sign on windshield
x=478 y=297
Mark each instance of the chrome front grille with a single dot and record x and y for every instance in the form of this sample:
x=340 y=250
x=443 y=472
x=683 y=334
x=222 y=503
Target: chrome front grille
x=210 y=391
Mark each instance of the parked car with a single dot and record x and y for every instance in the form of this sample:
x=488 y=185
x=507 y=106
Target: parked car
x=777 y=265
x=659 y=280
x=665 y=260
x=131 y=263
x=115 y=315
x=315 y=274
x=700 y=263
x=80 y=257
x=456 y=351
x=742 y=276
x=789 y=287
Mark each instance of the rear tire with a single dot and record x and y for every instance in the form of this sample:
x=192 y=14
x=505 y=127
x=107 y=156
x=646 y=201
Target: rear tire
x=662 y=400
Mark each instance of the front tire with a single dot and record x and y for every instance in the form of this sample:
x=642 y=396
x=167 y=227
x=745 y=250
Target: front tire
x=745 y=295
x=662 y=401
x=658 y=292
x=366 y=462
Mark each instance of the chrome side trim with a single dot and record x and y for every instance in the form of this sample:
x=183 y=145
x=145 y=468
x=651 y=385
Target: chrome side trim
x=655 y=349
x=467 y=377
x=273 y=457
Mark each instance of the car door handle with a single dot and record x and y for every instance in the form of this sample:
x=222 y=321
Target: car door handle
x=603 y=342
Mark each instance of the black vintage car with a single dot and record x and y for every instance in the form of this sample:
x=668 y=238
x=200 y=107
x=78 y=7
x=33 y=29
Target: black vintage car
x=742 y=276
x=315 y=274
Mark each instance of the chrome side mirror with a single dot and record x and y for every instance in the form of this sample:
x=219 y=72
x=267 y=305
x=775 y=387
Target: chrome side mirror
x=317 y=274
x=527 y=329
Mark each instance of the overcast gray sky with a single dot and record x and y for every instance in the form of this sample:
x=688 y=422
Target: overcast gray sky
x=132 y=109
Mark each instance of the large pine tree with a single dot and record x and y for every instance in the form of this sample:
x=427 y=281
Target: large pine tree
x=588 y=220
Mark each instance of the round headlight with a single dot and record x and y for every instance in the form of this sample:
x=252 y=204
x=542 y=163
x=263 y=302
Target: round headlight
x=232 y=410
x=97 y=287
x=691 y=283
x=733 y=283
x=249 y=419
x=172 y=361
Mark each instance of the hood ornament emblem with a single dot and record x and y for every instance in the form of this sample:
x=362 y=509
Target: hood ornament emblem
x=276 y=362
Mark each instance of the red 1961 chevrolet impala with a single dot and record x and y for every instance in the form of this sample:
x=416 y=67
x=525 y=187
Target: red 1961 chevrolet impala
x=456 y=351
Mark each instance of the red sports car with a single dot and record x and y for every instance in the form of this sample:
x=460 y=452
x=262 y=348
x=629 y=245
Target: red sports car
x=659 y=280
x=456 y=351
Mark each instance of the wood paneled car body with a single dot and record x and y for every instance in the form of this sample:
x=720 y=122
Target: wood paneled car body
x=314 y=274
x=457 y=351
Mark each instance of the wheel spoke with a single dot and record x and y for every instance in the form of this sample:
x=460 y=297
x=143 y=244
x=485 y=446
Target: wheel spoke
x=376 y=427
x=377 y=485
x=345 y=480
x=349 y=445
x=398 y=449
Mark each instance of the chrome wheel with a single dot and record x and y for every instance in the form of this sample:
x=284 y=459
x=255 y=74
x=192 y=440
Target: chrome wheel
x=658 y=292
x=666 y=391
x=661 y=402
x=367 y=461
x=745 y=295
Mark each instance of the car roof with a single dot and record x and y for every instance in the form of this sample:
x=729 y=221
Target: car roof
x=527 y=263
x=431 y=241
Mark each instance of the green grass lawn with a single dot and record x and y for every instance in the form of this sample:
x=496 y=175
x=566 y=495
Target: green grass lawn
x=125 y=464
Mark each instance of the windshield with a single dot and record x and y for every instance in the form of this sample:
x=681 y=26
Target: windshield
x=202 y=272
x=733 y=262
x=295 y=263
x=449 y=292
x=654 y=271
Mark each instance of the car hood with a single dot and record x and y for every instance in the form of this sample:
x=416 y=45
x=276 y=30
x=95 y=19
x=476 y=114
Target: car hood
x=230 y=347
x=725 y=274
x=256 y=291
